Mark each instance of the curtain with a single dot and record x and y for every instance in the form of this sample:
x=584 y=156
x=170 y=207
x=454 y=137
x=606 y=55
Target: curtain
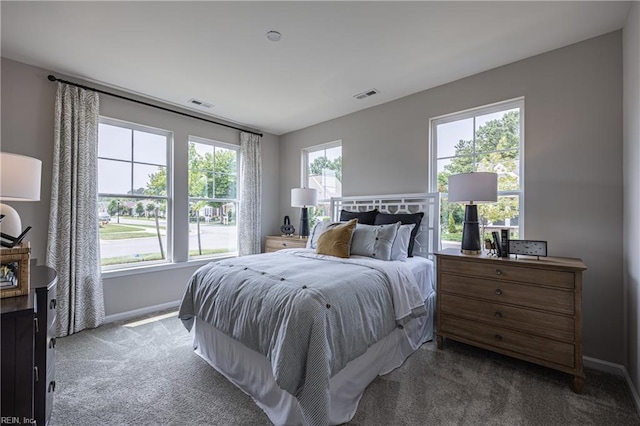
x=73 y=246
x=250 y=195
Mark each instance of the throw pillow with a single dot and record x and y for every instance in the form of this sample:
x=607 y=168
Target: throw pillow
x=406 y=219
x=374 y=241
x=365 y=218
x=336 y=240
x=400 y=249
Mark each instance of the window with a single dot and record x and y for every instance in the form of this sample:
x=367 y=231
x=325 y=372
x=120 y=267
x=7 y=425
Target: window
x=133 y=193
x=322 y=170
x=485 y=139
x=213 y=198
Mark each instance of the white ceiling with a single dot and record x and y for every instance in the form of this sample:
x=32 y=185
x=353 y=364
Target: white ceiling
x=217 y=52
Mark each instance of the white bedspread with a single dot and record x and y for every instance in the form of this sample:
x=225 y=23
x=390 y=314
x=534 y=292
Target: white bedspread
x=308 y=314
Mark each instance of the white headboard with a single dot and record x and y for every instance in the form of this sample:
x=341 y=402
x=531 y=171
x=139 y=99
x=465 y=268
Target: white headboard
x=428 y=237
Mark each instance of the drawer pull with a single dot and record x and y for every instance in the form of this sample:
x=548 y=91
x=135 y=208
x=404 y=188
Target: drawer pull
x=498 y=272
x=498 y=292
x=52 y=304
x=36 y=374
x=498 y=314
x=52 y=386
x=52 y=343
x=498 y=337
x=35 y=324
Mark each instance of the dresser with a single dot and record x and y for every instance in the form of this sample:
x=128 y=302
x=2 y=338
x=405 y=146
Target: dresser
x=526 y=308
x=278 y=242
x=44 y=282
x=28 y=349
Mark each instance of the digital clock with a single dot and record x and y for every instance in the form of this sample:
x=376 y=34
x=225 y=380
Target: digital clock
x=528 y=247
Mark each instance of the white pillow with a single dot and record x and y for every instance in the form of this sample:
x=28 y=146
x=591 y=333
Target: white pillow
x=400 y=248
x=374 y=240
x=318 y=228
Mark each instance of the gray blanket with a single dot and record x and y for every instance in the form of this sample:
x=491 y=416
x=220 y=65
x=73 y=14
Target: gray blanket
x=309 y=316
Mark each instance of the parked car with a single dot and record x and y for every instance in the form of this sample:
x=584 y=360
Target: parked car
x=104 y=217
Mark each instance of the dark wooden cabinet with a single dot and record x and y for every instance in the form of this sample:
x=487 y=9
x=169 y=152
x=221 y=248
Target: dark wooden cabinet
x=43 y=283
x=28 y=350
x=17 y=374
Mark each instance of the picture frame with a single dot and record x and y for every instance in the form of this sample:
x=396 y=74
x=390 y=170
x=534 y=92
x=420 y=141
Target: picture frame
x=14 y=270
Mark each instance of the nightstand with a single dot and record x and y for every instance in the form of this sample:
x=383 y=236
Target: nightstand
x=525 y=308
x=278 y=242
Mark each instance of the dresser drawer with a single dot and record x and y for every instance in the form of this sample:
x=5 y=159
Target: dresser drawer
x=501 y=338
x=552 y=278
x=541 y=323
x=274 y=244
x=531 y=296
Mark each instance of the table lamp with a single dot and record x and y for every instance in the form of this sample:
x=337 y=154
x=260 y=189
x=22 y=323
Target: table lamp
x=303 y=197
x=472 y=188
x=19 y=181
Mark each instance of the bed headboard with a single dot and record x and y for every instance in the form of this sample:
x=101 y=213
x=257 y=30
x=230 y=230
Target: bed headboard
x=428 y=237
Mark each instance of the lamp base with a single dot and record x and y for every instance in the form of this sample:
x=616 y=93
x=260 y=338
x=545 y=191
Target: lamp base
x=304 y=222
x=471 y=231
x=11 y=223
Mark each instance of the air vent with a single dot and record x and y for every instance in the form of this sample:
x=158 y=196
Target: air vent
x=366 y=94
x=200 y=104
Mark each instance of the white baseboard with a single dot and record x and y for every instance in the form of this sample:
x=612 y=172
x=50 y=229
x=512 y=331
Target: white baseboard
x=618 y=370
x=138 y=312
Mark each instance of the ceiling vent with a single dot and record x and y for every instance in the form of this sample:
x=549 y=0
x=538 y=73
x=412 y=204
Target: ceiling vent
x=200 y=104
x=366 y=94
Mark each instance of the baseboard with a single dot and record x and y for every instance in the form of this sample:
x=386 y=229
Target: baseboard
x=138 y=312
x=618 y=370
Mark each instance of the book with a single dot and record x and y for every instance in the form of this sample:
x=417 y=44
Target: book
x=497 y=242
x=504 y=233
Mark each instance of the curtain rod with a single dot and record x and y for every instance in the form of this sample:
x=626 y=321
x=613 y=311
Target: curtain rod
x=54 y=78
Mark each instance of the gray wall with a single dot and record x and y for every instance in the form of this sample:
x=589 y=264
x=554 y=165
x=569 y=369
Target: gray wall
x=572 y=155
x=27 y=128
x=631 y=52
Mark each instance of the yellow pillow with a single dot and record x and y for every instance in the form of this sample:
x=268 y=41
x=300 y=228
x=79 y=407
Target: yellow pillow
x=336 y=240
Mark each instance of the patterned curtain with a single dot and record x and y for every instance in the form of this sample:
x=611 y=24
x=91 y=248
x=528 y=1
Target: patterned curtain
x=251 y=193
x=73 y=246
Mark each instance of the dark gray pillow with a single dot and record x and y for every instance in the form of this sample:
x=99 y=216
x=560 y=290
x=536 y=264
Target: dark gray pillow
x=405 y=219
x=374 y=241
x=365 y=218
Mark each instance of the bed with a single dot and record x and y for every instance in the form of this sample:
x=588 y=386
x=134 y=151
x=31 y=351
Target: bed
x=304 y=333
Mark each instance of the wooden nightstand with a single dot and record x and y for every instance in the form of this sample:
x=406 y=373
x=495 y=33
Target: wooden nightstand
x=278 y=242
x=526 y=308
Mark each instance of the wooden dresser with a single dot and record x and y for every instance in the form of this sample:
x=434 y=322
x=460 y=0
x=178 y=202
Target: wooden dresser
x=28 y=350
x=279 y=242
x=526 y=308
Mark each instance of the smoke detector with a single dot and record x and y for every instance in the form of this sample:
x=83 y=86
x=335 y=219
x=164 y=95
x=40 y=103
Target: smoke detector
x=274 y=36
x=366 y=94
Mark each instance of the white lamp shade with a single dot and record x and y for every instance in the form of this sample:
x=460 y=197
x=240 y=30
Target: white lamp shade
x=19 y=177
x=478 y=187
x=302 y=197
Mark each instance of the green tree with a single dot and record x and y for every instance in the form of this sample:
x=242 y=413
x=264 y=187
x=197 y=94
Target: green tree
x=112 y=208
x=139 y=208
x=317 y=167
x=150 y=209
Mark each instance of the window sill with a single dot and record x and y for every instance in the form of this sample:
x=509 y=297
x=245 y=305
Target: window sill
x=135 y=270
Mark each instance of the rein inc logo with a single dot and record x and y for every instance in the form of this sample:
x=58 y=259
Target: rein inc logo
x=17 y=421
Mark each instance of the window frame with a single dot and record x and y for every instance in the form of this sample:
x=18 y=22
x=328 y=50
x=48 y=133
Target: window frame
x=305 y=162
x=168 y=197
x=515 y=103
x=224 y=145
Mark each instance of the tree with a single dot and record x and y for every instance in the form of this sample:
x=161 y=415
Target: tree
x=320 y=164
x=150 y=208
x=112 y=208
x=139 y=209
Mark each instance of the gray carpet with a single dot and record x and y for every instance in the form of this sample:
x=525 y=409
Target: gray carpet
x=149 y=375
